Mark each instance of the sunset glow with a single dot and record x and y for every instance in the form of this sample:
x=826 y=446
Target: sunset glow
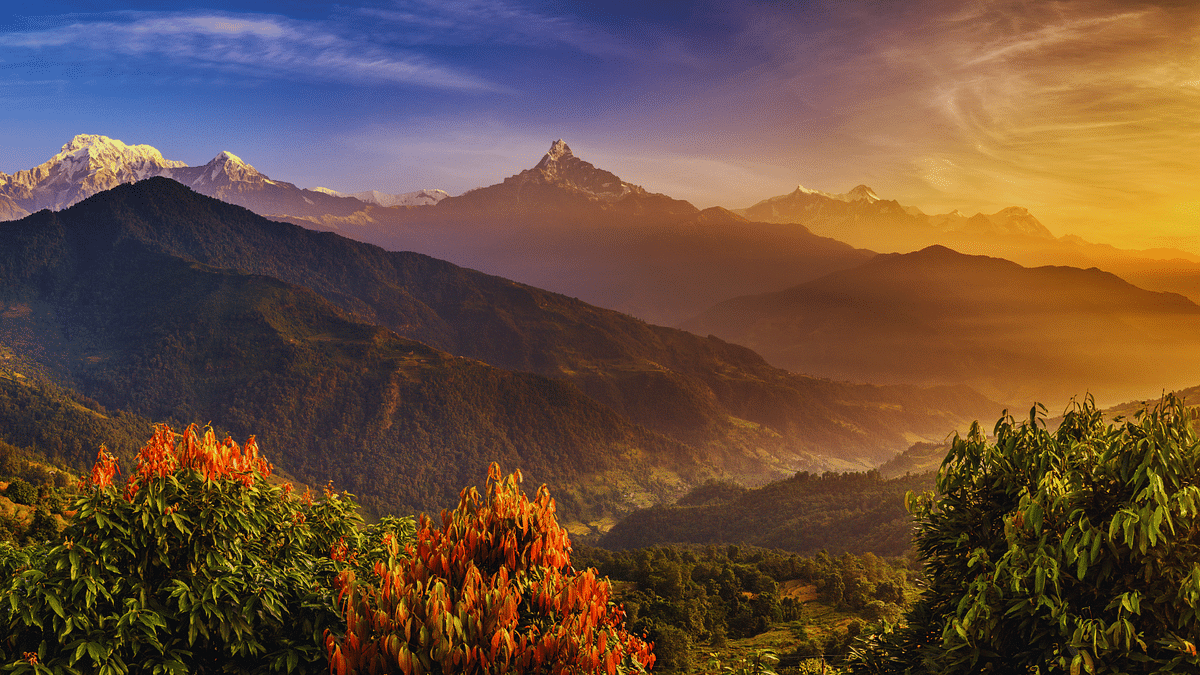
x=1084 y=112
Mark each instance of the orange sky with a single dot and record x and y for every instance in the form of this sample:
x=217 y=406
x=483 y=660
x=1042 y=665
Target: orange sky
x=1084 y=111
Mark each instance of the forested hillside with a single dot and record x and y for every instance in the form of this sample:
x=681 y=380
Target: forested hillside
x=754 y=420
x=838 y=513
x=395 y=421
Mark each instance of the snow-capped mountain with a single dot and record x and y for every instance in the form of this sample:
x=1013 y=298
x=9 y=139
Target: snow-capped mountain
x=562 y=184
x=862 y=218
x=418 y=198
x=91 y=163
x=562 y=168
x=860 y=193
x=1012 y=220
x=86 y=165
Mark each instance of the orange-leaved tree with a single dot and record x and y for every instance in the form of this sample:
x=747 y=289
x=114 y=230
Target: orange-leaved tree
x=194 y=564
x=491 y=590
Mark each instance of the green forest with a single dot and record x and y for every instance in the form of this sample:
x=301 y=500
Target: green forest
x=1072 y=550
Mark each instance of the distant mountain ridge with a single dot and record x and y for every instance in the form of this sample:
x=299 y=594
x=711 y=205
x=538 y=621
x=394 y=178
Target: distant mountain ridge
x=418 y=198
x=562 y=184
x=91 y=163
x=570 y=227
x=863 y=219
x=939 y=316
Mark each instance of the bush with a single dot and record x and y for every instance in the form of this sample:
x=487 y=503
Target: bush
x=490 y=590
x=673 y=650
x=21 y=492
x=1077 y=551
x=42 y=527
x=196 y=564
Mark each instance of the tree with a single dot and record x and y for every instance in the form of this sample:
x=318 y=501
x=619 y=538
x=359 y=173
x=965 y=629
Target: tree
x=21 y=492
x=195 y=564
x=490 y=590
x=1073 y=551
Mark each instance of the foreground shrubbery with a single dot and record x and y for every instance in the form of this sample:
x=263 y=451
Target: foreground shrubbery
x=1073 y=551
x=490 y=590
x=194 y=564
x=198 y=564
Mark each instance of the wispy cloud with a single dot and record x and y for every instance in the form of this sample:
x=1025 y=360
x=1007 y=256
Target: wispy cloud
x=1082 y=109
x=495 y=22
x=263 y=45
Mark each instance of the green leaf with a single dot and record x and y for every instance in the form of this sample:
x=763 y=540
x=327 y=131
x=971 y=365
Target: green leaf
x=55 y=604
x=96 y=652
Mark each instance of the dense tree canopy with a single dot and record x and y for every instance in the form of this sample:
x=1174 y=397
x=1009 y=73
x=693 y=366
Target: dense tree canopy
x=194 y=564
x=1073 y=551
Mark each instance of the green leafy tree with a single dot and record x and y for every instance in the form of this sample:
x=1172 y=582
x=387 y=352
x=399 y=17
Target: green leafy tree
x=21 y=492
x=196 y=564
x=1076 y=551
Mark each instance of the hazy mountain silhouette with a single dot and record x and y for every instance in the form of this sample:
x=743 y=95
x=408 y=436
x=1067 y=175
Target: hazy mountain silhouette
x=937 y=316
x=862 y=219
x=568 y=226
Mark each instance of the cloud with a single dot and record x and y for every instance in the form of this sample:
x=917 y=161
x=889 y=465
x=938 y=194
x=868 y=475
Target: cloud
x=253 y=45
x=1084 y=109
x=490 y=21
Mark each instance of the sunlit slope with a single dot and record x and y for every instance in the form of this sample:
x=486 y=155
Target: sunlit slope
x=939 y=317
x=395 y=421
x=744 y=415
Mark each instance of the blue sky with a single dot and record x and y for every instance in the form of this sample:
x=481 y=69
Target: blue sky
x=1085 y=111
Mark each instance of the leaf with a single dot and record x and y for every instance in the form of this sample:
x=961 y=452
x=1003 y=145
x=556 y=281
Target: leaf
x=96 y=652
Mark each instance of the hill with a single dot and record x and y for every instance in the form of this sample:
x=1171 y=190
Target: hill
x=939 y=317
x=748 y=417
x=399 y=423
x=837 y=513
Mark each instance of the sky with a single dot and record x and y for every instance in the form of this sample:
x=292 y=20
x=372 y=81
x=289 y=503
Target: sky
x=1086 y=112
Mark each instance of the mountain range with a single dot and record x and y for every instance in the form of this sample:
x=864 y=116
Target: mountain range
x=936 y=316
x=564 y=225
x=91 y=163
x=862 y=219
x=400 y=376
x=570 y=227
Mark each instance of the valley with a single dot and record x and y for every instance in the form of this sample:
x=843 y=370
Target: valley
x=942 y=337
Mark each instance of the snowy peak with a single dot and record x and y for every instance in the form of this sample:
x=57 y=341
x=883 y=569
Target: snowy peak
x=425 y=197
x=1018 y=220
x=861 y=193
x=561 y=168
x=1014 y=220
x=88 y=164
x=227 y=168
x=227 y=157
x=91 y=163
x=559 y=155
x=101 y=152
x=558 y=149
